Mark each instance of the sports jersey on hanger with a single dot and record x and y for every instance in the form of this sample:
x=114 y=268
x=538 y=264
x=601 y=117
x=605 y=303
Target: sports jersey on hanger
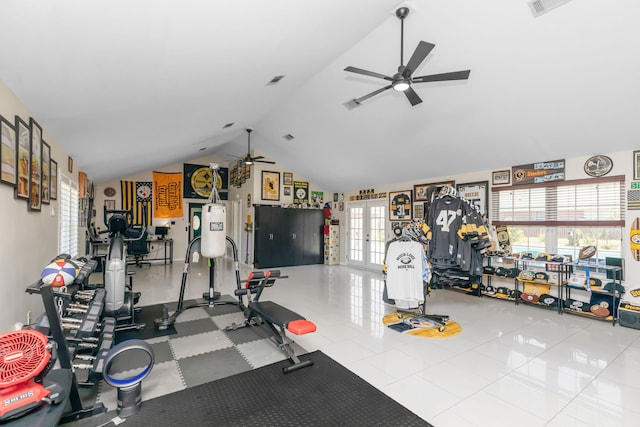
x=407 y=270
x=445 y=219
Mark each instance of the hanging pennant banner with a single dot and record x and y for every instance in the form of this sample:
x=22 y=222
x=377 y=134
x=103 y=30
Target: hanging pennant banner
x=135 y=195
x=300 y=192
x=167 y=195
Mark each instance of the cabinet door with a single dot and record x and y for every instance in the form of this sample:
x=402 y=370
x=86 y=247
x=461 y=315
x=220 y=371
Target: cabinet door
x=265 y=237
x=282 y=245
x=297 y=236
x=313 y=243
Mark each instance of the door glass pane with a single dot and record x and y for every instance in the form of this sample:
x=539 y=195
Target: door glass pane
x=377 y=217
x=356 y=233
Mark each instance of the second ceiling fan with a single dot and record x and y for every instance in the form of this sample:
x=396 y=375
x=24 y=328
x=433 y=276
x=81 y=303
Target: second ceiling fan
x=249 y=159
x=402 y=80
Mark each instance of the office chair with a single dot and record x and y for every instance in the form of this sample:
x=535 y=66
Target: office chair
x=138 y=248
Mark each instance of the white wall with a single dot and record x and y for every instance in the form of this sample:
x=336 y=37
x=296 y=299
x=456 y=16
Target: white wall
x=29 y=240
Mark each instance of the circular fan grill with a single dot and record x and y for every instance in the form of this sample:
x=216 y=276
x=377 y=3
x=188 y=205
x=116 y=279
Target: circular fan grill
x=23 y=355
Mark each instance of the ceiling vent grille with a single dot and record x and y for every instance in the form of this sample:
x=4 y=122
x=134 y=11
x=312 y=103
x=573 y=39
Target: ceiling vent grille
x=289 y=137
x=540 y=7
x=228 y=125
x=275 y=80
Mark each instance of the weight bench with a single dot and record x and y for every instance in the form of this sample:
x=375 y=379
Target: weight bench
x=278 y=318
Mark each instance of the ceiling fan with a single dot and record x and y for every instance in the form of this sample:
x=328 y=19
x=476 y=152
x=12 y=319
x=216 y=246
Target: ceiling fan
x=402 y=80
x=248 y=159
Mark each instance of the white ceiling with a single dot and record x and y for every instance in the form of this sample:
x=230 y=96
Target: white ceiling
x=126 y=86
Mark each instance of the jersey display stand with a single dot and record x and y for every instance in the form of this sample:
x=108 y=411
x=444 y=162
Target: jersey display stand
x=407 y=280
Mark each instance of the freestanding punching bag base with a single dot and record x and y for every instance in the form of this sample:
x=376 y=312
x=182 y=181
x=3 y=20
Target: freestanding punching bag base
x=213 y=244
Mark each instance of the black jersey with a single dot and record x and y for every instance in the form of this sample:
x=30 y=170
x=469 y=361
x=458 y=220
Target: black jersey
x=401 y=206
x=445 y=218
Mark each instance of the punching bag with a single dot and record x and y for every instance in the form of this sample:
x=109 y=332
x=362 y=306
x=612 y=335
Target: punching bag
x=214 y=233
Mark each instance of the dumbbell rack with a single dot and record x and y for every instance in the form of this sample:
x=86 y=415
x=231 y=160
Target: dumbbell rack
x=65 y=352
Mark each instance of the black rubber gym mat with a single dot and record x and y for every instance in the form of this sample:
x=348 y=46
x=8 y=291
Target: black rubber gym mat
x=325 y=394
x=146 y=315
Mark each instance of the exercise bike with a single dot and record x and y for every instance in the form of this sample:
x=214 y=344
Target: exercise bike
x=120 y=298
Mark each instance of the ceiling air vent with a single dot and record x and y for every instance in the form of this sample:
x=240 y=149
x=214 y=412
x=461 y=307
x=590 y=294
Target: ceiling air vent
x=275 y=80
x=289 y=137
x=540 y=7
x=228 y=125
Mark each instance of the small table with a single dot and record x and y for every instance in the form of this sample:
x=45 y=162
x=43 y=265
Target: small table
x=166 y=243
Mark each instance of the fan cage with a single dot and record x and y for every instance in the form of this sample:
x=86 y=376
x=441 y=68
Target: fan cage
x=23 y=355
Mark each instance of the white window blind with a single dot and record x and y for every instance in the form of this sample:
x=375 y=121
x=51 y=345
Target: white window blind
x=68 y=226
x=595 y=202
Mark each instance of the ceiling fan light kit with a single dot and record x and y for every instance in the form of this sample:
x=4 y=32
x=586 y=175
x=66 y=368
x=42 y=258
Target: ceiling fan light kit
x=249 y=159
x=402 y=80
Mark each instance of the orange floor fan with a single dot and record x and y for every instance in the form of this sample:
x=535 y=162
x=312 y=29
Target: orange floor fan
x=24 y=361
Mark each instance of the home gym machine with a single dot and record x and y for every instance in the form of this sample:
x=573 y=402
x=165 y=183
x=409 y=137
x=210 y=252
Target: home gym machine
x=120 y=298
x=212 y=245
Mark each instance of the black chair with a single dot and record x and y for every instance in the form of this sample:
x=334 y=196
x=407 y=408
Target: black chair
x=138 y=248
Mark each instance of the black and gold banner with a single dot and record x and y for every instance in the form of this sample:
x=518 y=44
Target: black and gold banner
x=135 y=195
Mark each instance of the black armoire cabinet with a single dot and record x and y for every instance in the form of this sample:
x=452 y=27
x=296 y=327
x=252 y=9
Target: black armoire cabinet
x=285 y=236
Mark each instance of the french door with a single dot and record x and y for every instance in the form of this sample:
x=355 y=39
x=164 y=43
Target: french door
x=366 y=234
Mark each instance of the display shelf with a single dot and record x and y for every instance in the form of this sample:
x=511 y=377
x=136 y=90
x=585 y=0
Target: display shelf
x=603 y=310
x=537 y=300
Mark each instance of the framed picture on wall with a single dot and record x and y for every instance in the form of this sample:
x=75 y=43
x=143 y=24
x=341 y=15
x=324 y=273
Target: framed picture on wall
x=287 y=178
x=270 y=185
x=23 y=159
x=636 y=165
x=35 y=177
x=46 y=173
x=420 y=190
x=8 y=147
x=501 y=177
x=418 y=210
x=53 y=184
x=400 y=205
x=476 y=193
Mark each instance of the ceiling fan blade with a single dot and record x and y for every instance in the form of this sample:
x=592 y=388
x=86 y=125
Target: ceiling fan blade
x=374 y=93
x=367 y=73
x=454 y=75
x=258 y=157
x=264 y=161
x=412 y=96
x=422 y=50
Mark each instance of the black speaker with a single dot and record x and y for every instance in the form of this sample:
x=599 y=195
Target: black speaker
x=629 y=315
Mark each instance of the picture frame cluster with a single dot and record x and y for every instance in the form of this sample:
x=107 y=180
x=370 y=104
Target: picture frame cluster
x=26 y=163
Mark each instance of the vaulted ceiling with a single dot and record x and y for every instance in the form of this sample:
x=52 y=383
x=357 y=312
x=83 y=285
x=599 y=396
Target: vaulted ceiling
x=128 y=85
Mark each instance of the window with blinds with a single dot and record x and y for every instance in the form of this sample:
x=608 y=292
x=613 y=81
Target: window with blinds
x=586 y=202
x=561 y=217
x=68 y=217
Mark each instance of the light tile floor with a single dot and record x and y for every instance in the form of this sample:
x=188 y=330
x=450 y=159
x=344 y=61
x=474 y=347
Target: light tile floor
x=510 y=365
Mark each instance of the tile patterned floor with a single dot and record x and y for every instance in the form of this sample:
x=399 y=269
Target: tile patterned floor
x=201 y=351
x=510 y=365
